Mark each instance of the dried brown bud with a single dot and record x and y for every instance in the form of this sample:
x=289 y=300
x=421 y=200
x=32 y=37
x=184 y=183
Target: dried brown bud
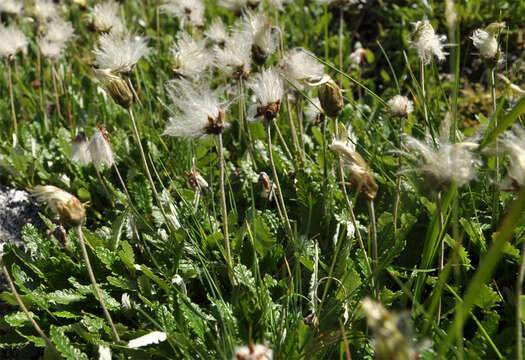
x=258 y=55
x=331 y=98
x=265 y=186
x=67 y=206
x=196 y=180
x=116 y=86
x=60 y=234
x=216 y=126
x=269 y=111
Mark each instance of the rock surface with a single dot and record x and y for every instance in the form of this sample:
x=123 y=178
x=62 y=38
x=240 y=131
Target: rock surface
x=17 y=208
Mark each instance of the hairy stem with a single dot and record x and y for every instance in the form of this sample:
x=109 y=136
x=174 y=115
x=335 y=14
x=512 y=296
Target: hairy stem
x=116 y=337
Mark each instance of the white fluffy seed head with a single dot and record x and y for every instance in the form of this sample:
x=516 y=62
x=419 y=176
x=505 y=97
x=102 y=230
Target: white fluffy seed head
x=514 y=143
x=105 y=17
x=234 y=58
x=192 y=57
x=267 y=87
x=45 y=9
x=187 y=11
x=12 y=41
x=11 y=7
x=80 y=151
x=486 y=43
x=445 y=163
x=59 y=31
x=427 y=43
x=253 y=352
x=216 y=32
x=301 y=69
x=400 y=106
x=50 y=50
x=100 y=150
x=313 y=111
x=192 y=108
x=237 y=5
x=120 y=52
x=258 y=26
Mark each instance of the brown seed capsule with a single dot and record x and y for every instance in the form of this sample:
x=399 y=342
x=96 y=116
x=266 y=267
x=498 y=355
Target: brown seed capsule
x=216 y=126
x=60 y=234
x=331 y=98
x=116 y=86
x=269 y=111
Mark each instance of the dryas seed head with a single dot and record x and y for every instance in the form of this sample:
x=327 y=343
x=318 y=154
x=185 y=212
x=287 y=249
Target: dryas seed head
x=331 y=98
x=116 y=87
x=67 y=206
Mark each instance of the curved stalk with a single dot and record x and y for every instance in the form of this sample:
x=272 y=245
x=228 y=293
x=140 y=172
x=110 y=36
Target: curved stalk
x=116 y=337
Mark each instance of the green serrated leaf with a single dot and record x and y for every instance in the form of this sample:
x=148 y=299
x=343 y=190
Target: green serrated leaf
x=127 y=256
x=64 y=346
x=66 y=296
x=149 y=273
x=18 y=319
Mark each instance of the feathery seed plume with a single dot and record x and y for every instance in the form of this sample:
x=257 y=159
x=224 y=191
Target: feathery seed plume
x=486 y=40
x=80 y=150
x=253 y=352
x=45 y=9
x=105 y=17
x=301 y=69
x=268 y=89
x=264 y=41
x=120 y=52
x=12 y=41
x=426 y=42
x=237 y=5
x=197 y=112
x=400 y=106
x=187 y=11
x=99 y=148
x=11 y=7
x=514 y=143
x=191 y=56
x=216 y=32
x=234 y=58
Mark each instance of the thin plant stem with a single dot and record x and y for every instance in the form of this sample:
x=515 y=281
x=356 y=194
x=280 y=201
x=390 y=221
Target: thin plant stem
x=519 y=319
x=423 y=92
x=341 y=26
x=11 y=96
x=146 y=168
x=398 y=180
x=325 y=169
x=116 y=337
x=276 y=179
x=223 y=206
x=300 y=118
x=283 y=142
x=292 y=128
x=373 y=235
x=104 y=187
x=495 y=200
x=26 y=311
x=55 y=89
x=441 y=250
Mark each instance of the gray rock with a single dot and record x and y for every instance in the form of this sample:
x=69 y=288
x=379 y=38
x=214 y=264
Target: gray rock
x=17 y=208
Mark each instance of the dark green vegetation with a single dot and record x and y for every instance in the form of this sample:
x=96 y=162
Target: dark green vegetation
x=177 y=278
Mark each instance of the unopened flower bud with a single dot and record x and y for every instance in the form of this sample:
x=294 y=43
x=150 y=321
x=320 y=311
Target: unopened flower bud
x=265 y=186
x=258 y=55
x=60 y=234
x=331 y=98
x=116 y=86
x=67 y=206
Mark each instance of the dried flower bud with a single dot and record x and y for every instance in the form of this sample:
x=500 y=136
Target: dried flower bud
x=196 y=180
x=265 y=186
x=360 y=174
x=269 y=111
x=60 y=234
x=258 y=55
x=116 y=86
x=99 y=148
x=216 y=125
x=311 y=320
x=69 y=208
x=331 y=98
